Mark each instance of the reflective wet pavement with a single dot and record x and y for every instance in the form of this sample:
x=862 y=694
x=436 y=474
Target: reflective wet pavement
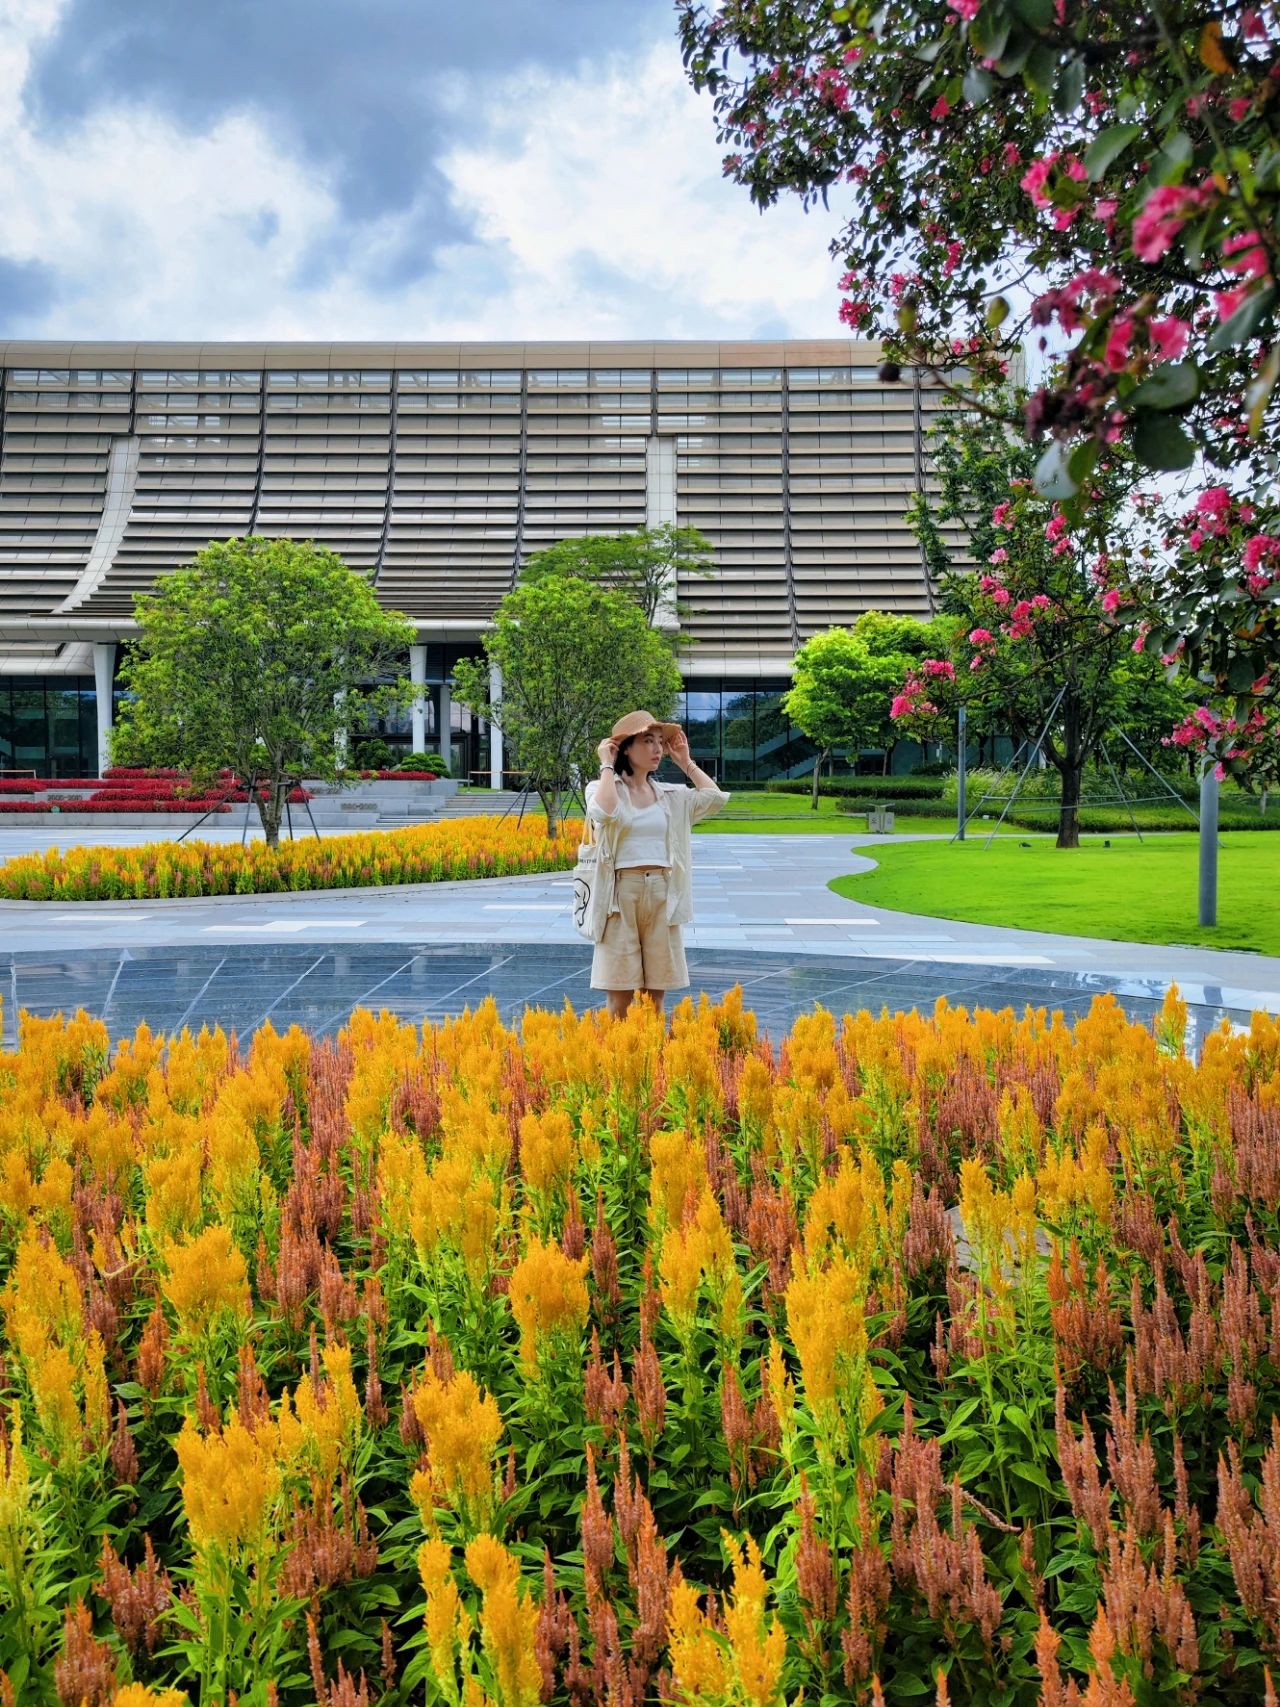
x=238 y=986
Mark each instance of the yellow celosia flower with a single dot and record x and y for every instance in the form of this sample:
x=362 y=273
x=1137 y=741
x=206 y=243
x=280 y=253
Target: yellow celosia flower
x=172 y=1184
x=206 y=1275
x=548 y=1295
x=15 y=1479
x=699 y=1664
x=229 y=1482
x=42 y=1299
x=758 y=1643
x=546 y=1150
x=447 y=1625
x=678 y=1176
x=508 y=1622
x=828 y=1327
x=138 y=1695
x=463 y=1427
x=322 y=1424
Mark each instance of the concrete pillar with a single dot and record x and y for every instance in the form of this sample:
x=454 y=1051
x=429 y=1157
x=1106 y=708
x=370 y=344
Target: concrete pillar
x=104 y=673
x=418 y=711
x=445 y=730
x=660 y=511
x=495 y=734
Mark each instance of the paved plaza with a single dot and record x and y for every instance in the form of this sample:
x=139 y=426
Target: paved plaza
x=765 y=919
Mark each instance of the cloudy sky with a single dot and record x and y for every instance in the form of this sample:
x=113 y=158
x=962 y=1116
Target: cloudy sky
x=378 y=168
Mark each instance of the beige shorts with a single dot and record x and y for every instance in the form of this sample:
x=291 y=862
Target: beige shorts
x=640 y=950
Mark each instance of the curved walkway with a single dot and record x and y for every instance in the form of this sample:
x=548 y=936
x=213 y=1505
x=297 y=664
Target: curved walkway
x=765 y=918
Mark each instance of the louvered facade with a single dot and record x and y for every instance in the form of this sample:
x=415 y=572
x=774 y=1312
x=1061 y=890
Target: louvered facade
x=437 y=469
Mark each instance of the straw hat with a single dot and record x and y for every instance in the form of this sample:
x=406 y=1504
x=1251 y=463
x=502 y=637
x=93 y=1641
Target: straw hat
x=639 y=723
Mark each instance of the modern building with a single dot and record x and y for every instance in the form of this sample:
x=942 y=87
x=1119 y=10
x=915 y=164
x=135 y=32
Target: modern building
x=437 y=469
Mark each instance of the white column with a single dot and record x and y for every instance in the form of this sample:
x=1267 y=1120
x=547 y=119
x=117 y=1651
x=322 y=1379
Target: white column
x=445 y=744
x=104 y=671
x=418 y=711
x=495 y=734
x=660 y=510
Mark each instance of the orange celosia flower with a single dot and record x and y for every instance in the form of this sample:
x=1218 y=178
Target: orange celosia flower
x=828 y=1327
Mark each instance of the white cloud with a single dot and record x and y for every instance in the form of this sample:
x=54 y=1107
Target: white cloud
x=596 y=201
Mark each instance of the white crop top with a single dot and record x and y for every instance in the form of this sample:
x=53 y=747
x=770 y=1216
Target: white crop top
x=644 y=841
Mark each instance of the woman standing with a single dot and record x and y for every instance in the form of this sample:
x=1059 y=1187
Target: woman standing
x=646 y=853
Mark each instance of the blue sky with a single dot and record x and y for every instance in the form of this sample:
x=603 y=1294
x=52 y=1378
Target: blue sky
x=390 y=168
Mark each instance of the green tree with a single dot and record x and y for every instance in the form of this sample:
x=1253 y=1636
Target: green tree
x=255 y=659
x=574 y=656
x=1039 y=647
x=844 y=681
x=649 y=565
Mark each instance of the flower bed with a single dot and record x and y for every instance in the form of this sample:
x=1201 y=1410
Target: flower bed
x=121 y=790
x=450 y=849
x=589 y=1364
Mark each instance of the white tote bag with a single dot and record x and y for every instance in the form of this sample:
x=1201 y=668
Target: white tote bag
x=591 y=879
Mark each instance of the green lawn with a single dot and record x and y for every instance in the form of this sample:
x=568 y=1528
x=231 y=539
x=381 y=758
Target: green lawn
x=754 y=812
x=1132 y=891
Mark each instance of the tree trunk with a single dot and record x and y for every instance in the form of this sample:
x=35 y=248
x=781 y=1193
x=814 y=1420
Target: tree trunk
x=270 y=809
x=550 y=798
x=817 y=775
x=1069 y=811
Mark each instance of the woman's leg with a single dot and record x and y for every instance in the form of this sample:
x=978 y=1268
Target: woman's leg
x=617 y=1002
x=657 y=997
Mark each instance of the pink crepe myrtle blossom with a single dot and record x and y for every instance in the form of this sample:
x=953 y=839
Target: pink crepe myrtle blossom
x=1163 y=215
x=975 y=663
x=1036 y=177
x=955 y=250
x=1011 y=155
x=940 y=108
x=966 y=9
x=1000 y=596
x=981 y=637
x=1195 y=539
x=938 y=667
x=1239 y=108
x=1261 y=548
x=1226 y=302
x=1056 y=527
x=1119 y=340
x=1213 y=509
x=1249 y=255
x=1252 y=27
x=999 y=555
x=831 y=88
x=1169 y=337
x=1112 y=600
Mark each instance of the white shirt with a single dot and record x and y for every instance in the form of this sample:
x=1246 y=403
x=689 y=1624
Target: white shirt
x=643 y=838
x=686 y=806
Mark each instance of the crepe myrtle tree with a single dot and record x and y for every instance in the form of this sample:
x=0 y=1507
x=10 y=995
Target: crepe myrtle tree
x=1040 y=646
x=255 y=659
x=574 y=656
x=1101 y=176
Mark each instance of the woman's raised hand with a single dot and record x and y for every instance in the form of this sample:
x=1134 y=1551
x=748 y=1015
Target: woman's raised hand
x=607 y=751
x=678 y=749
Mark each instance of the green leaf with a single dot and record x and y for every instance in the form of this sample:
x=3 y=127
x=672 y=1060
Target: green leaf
x=977 y=85
x=1036 y=13
x=1107 y=147
x=1052 y=476
x=1032 y=1473
x=1083 y=460
x=1172 y=386
x=1159 y=442
x=1042 y=67
x=1245 y=321
x=989 y=33
x=1069 y=91
x=1242 y=675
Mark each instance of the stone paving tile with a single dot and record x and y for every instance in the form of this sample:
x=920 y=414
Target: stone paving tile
x=316 y=985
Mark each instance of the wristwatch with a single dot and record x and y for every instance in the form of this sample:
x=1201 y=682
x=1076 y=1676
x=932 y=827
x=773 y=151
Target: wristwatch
x=609 y=768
